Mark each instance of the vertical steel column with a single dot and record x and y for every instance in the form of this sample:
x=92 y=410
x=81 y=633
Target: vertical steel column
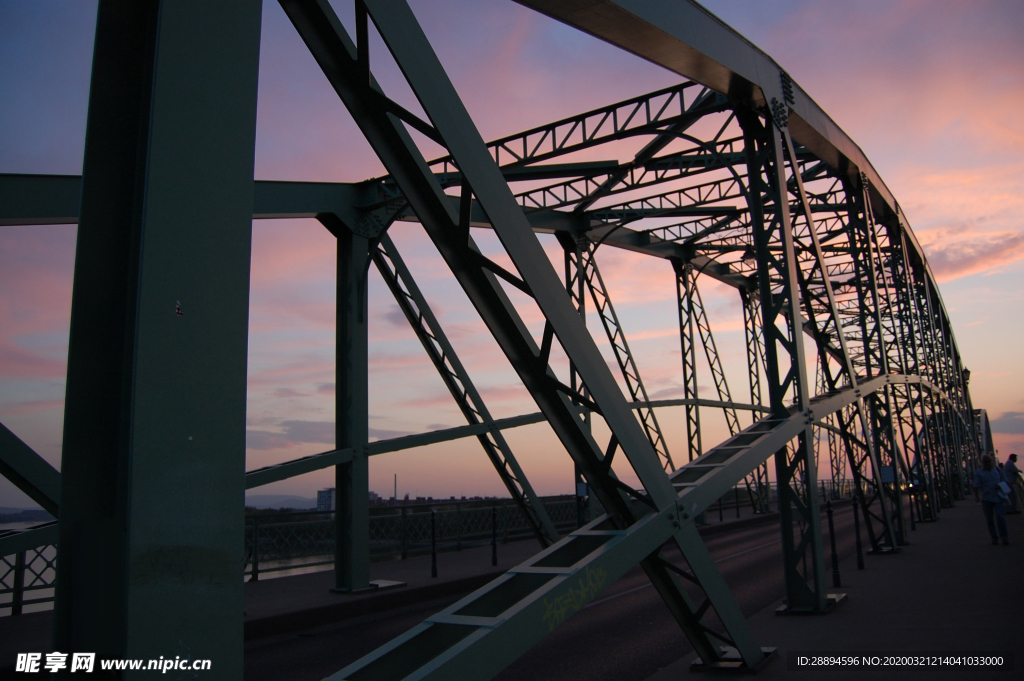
x=351 y=417
x=915 y=331
x=575 y=286
x=907 y=331
x=754 y=343
x=970 y=424
x=780 y=304
x=933 y=424
x=707 y=339
x=961 y=398
x=842 y=353
x=757 y=483
x=950 y=407
x=151 y=513
x=684 y=296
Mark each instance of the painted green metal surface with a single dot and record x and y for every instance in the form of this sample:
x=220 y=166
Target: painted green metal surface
x=154 y=440
x=31 y=473
x=351 y=416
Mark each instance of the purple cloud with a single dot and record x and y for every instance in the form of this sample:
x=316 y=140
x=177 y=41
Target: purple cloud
x=1010 y=423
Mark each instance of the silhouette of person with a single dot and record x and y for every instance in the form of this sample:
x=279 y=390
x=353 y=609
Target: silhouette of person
x=1011 y=474
x=989 y=495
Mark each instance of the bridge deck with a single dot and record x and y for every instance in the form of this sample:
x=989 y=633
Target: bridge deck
x=949 y=592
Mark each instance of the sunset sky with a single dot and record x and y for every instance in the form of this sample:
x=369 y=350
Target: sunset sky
x=932 y=91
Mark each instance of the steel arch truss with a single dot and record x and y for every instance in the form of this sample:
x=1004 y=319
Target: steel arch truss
x=734 y=179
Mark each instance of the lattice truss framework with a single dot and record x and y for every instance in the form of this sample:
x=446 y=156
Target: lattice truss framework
x=849 y=352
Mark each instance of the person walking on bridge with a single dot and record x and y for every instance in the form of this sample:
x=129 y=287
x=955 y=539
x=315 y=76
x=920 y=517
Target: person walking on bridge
x=1012 y=476
x=989 y=494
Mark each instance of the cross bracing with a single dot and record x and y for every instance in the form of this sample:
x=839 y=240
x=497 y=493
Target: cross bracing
x=733 y=176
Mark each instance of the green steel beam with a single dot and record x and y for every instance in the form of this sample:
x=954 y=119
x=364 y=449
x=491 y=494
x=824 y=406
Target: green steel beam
x=55 y=199
x=39 y=199
x=26 y=540
x=819 y=302
x=315 y=462
x=688 y=352
x=685 y=38
x=29 y=472
x=153 y=461
x=785 y=361
x=351 y=415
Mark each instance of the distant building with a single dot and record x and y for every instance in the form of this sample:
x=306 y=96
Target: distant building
x=325 y=499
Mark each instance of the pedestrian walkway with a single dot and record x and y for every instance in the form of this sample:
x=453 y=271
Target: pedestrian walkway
x=949 y=594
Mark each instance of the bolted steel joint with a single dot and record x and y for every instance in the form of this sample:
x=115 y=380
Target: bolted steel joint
x=780 y=113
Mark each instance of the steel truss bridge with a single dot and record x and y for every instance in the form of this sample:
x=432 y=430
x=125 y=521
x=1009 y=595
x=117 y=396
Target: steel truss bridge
x=734 y=175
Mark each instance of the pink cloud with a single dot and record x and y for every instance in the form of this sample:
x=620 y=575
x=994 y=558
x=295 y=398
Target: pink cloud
x=33 y=407
x=21 y=362
x=490 y=394
x=955 y=253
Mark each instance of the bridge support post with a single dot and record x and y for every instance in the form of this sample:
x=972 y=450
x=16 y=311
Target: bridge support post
x=351 y=479
x=684 y=301
x=758 y=485
x=575 y=286
x=151 y=512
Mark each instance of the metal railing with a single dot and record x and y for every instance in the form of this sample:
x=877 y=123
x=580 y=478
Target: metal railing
x=27 y=578
x=305 y=539
x=300 y=540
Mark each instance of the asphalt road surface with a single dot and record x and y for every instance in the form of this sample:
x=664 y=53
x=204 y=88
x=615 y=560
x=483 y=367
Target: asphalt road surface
x=625 y=633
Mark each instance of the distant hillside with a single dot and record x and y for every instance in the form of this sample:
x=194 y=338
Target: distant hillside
x=21 y=515
x=279 y=501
